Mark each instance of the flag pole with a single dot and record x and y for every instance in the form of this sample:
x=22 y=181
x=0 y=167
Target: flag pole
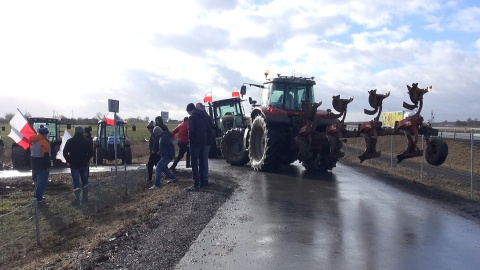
x=22 y=115
x=26 y=120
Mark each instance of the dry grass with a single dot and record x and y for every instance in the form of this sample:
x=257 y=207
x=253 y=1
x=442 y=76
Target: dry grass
x=71 y=230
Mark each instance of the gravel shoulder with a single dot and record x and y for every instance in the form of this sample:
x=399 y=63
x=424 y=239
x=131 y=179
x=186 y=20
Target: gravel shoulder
x=163 y=238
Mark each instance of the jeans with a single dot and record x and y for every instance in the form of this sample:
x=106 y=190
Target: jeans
x=162 y=168
x=152 y=160
x=41 y=179
x=77 y=175
x=183 y=148
x=199 y=162
x=204 y=166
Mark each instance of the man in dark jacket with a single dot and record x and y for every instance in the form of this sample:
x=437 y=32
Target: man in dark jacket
x=159 y=123
x=154 y=151
x=167 y=152
x=203 y=159
x=198 y=137
x=77 y=152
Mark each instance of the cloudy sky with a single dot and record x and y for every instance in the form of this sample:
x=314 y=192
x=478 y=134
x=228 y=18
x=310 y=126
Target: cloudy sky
x=70 y=57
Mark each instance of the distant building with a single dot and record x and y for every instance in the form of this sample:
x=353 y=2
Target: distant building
x=165 y=116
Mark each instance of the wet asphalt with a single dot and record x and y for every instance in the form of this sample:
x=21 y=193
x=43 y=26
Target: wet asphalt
x=292 y=219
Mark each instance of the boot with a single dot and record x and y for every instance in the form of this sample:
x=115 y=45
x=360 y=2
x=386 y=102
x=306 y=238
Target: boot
x=172 y=168
x=85 y=194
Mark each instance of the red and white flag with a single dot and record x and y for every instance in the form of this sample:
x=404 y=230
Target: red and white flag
x=208 y=97
x=21 y=131
x=109 y=119
x=235 y=94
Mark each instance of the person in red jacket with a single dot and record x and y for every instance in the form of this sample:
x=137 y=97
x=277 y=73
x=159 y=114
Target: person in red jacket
x=182 y=141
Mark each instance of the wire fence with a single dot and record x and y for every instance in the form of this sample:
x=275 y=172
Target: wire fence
x=460 y=173
x=32 y=224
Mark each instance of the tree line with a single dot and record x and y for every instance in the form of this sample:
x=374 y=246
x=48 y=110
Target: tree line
x=79 y=120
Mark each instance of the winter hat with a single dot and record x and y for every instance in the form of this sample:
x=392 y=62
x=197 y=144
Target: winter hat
x=150 y=125
x=199 y=106
x=190 y=107
x=78 y=129
x=157 y=130
x=42 y=130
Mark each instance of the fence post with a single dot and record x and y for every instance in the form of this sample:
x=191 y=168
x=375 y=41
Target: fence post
x=37 y=222
x=421 y=162
x=471 y=163
x=357 y=147
x=391 y=151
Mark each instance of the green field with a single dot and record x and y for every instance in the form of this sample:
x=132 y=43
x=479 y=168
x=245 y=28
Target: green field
x=140 y=134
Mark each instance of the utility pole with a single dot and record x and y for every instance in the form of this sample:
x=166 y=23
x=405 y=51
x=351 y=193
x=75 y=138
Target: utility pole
x=72 y=114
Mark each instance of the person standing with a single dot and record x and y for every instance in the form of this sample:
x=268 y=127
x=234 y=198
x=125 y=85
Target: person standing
x=167 y=152
x=77 y=153
x=203 y=159
x=197 y=136
x=159 y=123
x=40 y=161
x=153 y=148
x=182 y=141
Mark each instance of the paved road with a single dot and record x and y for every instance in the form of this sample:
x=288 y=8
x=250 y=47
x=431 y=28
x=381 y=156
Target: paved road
x=342 y=220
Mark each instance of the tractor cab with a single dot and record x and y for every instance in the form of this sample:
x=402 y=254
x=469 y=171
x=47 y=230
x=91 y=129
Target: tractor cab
x=21 y=157
x=227 y=114
x=104 y=143
x=287 y=93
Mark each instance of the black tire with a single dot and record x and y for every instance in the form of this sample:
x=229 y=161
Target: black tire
x=233 y=150
x=437 y=152
x=99 y=155
x=128 y=155
x=266 y=145
x=19 y=160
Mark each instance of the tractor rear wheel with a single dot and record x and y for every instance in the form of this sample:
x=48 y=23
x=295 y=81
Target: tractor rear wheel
x=233 y=149
x=18 y=157
x=266 y=145
x=128 y=155
x=99 y=155
x=437 y=152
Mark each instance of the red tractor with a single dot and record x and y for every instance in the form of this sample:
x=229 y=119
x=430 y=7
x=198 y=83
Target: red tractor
x=287 y=126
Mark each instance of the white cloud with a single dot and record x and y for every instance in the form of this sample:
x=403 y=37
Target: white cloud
x=155 y=56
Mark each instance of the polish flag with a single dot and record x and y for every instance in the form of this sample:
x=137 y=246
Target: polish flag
x=208 y=97
x=109 y=119
x=235 y=94
x=21 y=131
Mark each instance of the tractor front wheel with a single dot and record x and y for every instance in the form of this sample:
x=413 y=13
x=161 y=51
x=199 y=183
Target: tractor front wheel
x=233 y=149
x=437 y=152
x=128 y=155
x=19 y=160
x=99 y=155
x=266 y=145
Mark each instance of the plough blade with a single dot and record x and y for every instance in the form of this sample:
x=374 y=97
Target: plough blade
x=371 y=149
x=411 y=151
